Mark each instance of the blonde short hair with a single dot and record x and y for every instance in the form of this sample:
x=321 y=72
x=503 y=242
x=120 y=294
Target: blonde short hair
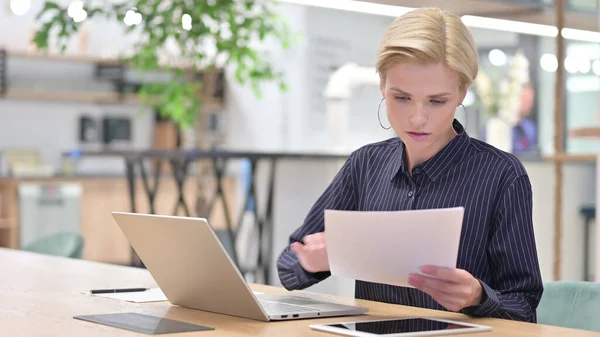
x=430 y=35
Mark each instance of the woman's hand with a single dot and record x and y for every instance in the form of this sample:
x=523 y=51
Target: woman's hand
x=454 y=289
x=313 y=253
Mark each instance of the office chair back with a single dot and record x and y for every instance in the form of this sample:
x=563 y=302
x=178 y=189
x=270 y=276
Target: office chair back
x=570 y=304
x=60 y=244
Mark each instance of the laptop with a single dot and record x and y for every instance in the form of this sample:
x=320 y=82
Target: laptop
x=192 y=268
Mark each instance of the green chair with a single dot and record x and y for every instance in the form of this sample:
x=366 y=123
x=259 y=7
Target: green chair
x=63 y=244
x=570 y=304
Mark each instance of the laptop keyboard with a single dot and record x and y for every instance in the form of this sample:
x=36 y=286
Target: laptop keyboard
x=283 y=308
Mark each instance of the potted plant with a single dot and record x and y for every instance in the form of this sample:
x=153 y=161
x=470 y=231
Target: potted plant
x=184 y=38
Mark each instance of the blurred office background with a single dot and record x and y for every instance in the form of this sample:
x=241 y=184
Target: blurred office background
x=71 y=121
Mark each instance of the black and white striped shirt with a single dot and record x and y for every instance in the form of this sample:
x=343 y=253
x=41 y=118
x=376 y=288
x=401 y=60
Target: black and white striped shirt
x=497 y=243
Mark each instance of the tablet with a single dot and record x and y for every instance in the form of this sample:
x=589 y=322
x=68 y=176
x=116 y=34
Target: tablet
x=401 y=327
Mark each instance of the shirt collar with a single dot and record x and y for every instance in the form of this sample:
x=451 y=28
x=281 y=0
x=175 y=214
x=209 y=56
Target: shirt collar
x=440 y=162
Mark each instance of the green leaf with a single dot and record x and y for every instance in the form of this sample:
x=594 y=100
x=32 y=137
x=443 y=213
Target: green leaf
x=283 y=86
x=179 y=97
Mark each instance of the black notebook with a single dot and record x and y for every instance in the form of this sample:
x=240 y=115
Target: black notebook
x=150 y=325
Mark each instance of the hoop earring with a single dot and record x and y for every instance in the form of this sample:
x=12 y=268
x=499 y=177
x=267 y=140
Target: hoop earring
x=379 y=118
x=457 y=123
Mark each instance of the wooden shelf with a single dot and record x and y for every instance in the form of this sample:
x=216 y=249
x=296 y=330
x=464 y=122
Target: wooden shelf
x=586 y=132
x=6 y=224
x=71 y=96
x=82 y=97
x=573 y=157
x=80 y=59
x=78 y=96
x=62 y=57
x=524 y=11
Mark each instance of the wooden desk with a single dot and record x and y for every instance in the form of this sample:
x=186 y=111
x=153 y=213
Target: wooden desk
x=39 y=295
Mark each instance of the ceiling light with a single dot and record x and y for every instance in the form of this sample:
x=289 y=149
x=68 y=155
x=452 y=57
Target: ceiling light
x=469 y=20
x=132 y=18
x=530 y=28
x=186 y=22
x=549 y=63
x=510 y=26
x=76 y=11
x=571 y=65
x=75 y=8
x=497 y=57
x=355 y=6
x=580 y=35
x=20 y=7
x=80 y=16
x=584 y=66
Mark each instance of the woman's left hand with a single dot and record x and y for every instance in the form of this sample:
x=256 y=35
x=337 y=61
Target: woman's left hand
x=454 y=289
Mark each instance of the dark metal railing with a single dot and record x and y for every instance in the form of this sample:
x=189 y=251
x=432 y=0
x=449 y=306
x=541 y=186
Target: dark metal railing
x=180 y=161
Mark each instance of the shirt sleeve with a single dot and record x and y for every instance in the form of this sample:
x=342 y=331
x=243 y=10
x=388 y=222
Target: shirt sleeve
x=517 y=286
x=340 y=195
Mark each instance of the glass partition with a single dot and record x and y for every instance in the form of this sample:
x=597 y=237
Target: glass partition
x=582 y=93
x=514 y=65
x=547 y=64
x=587 y=6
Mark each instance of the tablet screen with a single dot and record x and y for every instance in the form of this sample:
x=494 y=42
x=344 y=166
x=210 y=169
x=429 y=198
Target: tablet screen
x=400 y=326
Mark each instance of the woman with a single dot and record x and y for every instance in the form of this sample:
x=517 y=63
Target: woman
x=426 y=62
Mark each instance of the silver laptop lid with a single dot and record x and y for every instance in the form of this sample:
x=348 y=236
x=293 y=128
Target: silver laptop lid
x=189 y=264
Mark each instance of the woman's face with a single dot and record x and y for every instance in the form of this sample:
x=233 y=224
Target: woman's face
x=421 y=101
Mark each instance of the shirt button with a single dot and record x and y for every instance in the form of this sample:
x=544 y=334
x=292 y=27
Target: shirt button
x=410 y=193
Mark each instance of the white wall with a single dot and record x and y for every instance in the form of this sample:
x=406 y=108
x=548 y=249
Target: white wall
x=582 y=96
x=52 y=127
x=274 y=122
x=547 y=83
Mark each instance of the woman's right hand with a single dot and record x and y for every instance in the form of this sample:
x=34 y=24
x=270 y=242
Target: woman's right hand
x=313 y=253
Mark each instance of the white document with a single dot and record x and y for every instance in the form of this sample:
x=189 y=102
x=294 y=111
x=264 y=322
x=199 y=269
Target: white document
x=385 y=247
